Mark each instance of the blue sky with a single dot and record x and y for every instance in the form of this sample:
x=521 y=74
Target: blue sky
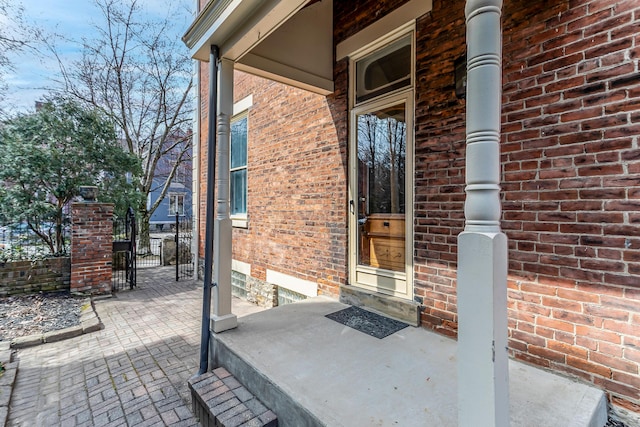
x=35 y=71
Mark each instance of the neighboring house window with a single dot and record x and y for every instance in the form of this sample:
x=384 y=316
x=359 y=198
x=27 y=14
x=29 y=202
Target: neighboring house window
x=238 y=176
x=176 y=204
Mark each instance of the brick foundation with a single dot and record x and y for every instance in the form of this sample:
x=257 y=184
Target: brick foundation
x=91 y=247
x=261 y=293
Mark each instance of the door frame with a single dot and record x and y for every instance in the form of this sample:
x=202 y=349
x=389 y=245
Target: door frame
x=367 y=277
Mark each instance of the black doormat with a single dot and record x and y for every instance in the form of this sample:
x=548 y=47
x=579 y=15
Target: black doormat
x=367 y=322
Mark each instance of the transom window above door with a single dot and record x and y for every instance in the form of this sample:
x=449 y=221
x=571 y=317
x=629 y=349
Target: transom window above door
x=383 y=71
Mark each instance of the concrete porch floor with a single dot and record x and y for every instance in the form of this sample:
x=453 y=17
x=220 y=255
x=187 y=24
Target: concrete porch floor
x=311 y=371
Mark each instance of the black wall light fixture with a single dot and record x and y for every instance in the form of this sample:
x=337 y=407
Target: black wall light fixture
x=460 y=66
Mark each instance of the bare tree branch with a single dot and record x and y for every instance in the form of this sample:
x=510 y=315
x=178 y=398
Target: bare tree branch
x=142 y=80
x=13 y=38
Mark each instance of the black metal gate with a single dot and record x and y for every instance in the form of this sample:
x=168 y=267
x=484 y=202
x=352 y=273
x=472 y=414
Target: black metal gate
x=124 y=252
x=184 y=254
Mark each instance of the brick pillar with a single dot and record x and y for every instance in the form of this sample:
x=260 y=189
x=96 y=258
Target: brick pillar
x=91 y=247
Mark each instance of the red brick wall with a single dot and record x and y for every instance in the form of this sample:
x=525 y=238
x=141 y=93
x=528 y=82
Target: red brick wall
x=570 y=183
x=570 y=170
x=203 y=147
x=297 y=191
x=91 y=247
x=440 y=160
x=297 y=186
x=354 y=15
x=571 y=187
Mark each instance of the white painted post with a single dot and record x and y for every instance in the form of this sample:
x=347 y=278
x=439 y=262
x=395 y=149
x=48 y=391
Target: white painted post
x=222 y=318
x=483 y=371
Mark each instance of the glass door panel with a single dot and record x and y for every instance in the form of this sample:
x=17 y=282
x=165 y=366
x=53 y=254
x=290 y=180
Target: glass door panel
x=381 y=200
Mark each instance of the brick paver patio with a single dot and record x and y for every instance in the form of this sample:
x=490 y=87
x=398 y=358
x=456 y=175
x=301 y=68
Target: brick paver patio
x=134 y=372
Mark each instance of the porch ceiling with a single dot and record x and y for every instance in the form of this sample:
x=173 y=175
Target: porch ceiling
x=290 y=41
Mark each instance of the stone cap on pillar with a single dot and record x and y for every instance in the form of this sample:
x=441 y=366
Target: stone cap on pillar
x=89 y=193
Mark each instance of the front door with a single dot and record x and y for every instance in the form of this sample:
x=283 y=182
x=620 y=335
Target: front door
x=382 y=196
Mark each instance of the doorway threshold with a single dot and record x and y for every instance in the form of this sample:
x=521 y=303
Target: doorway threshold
x=404 y=310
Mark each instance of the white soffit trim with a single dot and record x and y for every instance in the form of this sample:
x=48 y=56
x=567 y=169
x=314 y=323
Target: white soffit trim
x=241 y=267
x=211 y=19
x=403 y=15
x=303 y=80
x=301 y=286
x=243 y=105
x=236 y=26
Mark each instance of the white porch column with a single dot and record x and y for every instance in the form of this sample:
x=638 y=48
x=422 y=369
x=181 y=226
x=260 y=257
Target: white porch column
x=222 y=318
x=483 y=372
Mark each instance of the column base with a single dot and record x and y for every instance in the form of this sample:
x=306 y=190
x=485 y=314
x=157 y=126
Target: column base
x=483 y=370
x=223 y=323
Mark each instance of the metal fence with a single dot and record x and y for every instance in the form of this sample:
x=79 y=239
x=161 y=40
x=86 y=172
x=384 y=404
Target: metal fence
x=22 y=240
x=149 y=253
x=184 y=254
x=131 y=251
x=124 y=252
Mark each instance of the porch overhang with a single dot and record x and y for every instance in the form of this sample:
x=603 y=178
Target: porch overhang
x=289 y=41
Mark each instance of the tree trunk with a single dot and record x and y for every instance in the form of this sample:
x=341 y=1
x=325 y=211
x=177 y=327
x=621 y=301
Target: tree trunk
x=144 y=243
x=59 y=237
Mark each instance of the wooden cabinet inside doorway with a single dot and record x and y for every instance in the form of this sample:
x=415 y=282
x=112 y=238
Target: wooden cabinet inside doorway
x=385 y=234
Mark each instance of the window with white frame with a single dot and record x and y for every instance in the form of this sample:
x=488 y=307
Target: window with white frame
x=176 y=204
x=238 y=170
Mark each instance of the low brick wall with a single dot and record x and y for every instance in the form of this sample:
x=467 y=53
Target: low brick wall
x=25 y=277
